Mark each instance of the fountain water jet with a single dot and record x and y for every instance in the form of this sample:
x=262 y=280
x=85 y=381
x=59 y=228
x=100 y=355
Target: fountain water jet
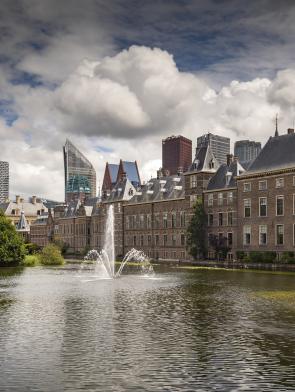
x=105 y=260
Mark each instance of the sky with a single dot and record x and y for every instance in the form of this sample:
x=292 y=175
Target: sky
x=118 y=76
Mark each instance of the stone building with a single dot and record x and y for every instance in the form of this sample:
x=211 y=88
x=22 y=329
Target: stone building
x=221 y=206
x=266 y=198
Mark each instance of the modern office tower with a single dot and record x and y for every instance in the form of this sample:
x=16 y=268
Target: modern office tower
x=4 y=181
x=176 y=154
x=247 y=150
x=80 y=176
x=220 y=145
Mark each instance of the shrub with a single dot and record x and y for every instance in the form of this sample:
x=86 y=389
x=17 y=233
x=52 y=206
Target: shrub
x=262 y=257
x=12 y=248
x=63 y=246
x=31 y=261
x=241 y=255
x=31 y=248
x=51 y=255
x=288 y=257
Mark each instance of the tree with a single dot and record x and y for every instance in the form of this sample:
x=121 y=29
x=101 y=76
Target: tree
x=12 y=248
x=51 y=255
x=196 y=231
x=219 y=244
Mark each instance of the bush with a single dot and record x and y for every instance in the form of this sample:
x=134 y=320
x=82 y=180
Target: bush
x=51 y=255
x=12 y=248
x=288 y=257
x=32 y=249
x=262 y=257
x=241 y=255
x=31 y=261
x=63 y=246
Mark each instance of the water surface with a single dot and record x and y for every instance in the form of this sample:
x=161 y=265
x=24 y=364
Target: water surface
x=184 y=330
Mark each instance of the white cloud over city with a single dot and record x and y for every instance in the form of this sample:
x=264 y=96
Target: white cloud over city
x=117 y=102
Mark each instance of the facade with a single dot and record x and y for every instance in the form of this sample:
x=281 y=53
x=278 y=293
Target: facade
x=176 y=154
x=266 y=199
x=220 y=145
x=4 y=181
x=247 y=150
x=80 y=175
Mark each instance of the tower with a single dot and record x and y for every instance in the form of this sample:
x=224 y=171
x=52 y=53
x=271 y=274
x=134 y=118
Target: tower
x=4 y=181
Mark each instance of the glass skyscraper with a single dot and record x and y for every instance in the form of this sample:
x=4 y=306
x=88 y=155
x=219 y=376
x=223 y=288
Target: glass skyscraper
x=4 y=181
x=80 y=175
x=220 y=145
x=247 y=150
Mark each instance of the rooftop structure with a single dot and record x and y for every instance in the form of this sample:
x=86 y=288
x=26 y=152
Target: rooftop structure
x=77 y=167
x=115 y=173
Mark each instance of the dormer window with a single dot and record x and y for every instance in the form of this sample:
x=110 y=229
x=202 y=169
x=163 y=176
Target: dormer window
x=211 y=164
x=130 y=193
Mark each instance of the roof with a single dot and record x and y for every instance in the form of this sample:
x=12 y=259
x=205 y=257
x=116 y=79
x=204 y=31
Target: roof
x=123 y=191
x=278 y=153
x=160 y=189
x=204 y=160
x=225 y=177
x=22 y=224
x=130 y=168
x=113 y=170
x=29 y=208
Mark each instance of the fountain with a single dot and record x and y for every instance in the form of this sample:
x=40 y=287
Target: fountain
x=104 y=261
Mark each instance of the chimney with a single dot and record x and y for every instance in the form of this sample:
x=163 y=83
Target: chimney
x=34 y=199
x=229 y=159
x=17 y=199
x=290 y=131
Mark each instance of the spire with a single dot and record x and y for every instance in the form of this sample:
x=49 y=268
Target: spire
x=22 y=223
x=276 y=132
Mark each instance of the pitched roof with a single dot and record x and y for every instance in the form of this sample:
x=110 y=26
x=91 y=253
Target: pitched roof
x=123 y=190
x=113 y=170
x=225 y=177
x=204 y=160
x=22 y=224
x=278 y=153
x=130 y=168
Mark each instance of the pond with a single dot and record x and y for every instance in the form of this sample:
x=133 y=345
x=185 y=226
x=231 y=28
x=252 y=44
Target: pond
x=181 y=330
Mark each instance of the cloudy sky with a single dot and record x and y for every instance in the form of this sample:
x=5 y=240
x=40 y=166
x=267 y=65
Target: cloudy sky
x=117 y=76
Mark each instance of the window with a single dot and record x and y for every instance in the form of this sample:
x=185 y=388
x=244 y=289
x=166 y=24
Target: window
x=210 y=219
x=230 y=239
x=229 y=218
x=247 y=235
x=165 y=239
x=182 y=218
x=141 y=219
x=149 y=221
x=210 y=199
x=157 y=221
x=230 y=197
x=247 y=187
x=119 y=207
x=193 y=181
x=220 y=219
x=182 y=239
x=173 y=240
x=149 y=240
x=141 y=240
x=165 y=219
x=262 y=185
x=293 y=204
x=262 y=206
x=157 y=239
x=262 y=235
x=134 y=240
x=279 y=182
x=294 y=234
x=173 y=219
x=247 y=208
x=280 y=205
x=220 y=199
x=280 y=234
x=293 y=180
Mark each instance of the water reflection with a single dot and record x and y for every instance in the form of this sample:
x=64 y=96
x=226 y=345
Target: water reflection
x=188 y=331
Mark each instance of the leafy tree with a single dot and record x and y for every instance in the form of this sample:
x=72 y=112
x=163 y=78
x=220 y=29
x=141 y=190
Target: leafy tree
x=51 y=255
x=63 y=246
x=219 y=244
x=12 y=248
x=196 y=231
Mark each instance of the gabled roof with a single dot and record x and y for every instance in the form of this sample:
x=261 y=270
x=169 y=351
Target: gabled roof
x=131 y=170
x=278 y=153
x=225 y=177
x=204 y=160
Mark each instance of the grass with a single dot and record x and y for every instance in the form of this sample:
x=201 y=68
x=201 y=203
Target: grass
x=277 y=295
x=195 y=267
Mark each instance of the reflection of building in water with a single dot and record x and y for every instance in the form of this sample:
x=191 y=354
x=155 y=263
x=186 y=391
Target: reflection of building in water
x=80 y=175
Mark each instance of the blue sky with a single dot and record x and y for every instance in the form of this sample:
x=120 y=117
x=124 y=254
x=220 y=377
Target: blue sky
x=99 y=72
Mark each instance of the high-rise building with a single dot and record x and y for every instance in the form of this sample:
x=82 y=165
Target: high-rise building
x=4 y=181
x=80 y=175
x=220 y=145
x=247 y=150
x=176 y=154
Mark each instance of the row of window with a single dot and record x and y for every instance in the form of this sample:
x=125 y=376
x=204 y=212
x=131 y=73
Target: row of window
x=221 y=197
x=143 y=221
x=263 y=185
x=263 y=203
x=159 y=240
x=224 y=219
x=263 y=234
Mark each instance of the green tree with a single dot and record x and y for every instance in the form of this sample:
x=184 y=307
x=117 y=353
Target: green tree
x=219 y=244
x=51 y=255
x=12 y=248
x=196 y=231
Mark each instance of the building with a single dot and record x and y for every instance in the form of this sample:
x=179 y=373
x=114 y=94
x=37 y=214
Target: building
x=220 y=145
x=176 y=154
x=221 y=206
x=22 y=227
x=247 y=150
x=80 y=175
x=4 y=181
x=266 y=199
